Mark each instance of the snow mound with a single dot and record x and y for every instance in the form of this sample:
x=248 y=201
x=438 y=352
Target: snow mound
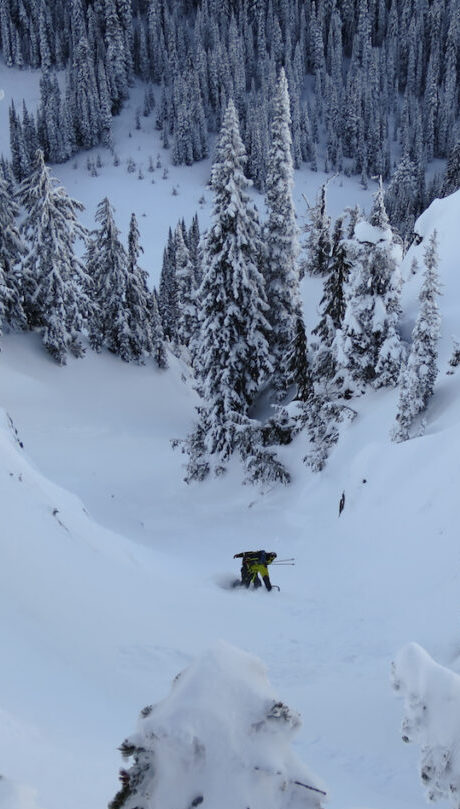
x=432 y=719
x=223 y=731
x=441 y=213
x=371 y=234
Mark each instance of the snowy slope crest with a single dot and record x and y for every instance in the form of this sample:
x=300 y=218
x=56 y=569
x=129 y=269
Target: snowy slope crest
x=441 y=216
x=431 y=719
x=16 y=796
x=221 y=738
x=38 y=506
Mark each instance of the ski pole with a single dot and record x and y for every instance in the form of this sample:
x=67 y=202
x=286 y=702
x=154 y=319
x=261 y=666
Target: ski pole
x=291 y=559
x=313 y=789
x=290 y=781
x=284 y=564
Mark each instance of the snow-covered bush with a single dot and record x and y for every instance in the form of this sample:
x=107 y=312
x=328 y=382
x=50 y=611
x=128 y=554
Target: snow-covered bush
x=431 y=719
x=221 y=738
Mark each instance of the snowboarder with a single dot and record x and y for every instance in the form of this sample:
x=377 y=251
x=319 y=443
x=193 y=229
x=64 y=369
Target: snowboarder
x=255 y=563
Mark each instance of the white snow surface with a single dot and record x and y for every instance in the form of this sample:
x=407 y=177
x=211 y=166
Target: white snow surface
x=111 y=566
x=370 y=234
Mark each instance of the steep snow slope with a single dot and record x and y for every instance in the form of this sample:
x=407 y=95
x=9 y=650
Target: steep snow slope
x=94 y=625
x=99 y=610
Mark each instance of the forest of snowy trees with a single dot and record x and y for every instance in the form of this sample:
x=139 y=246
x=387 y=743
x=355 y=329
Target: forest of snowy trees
x=228 y=302
x=373 y=84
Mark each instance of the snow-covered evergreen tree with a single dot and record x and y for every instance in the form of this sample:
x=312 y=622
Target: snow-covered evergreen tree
x=12 y=249
x=167 y=298
x=431 y=694
x=418 y=377
x=451 y=181
x=20 y=161
x=401 y=197
x=158 y=348
x=53 y=278
x=368 y=348
x=319 y=419
x=332 y=304
x=187 y=325
x=280 y=238
x=107 y=267
x=232 y=357
x=318 y=244
x=298 y=363
x=138 y=298
x=251 y=750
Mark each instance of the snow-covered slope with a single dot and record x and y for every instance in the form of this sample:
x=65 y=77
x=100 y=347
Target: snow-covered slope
x=112 y=567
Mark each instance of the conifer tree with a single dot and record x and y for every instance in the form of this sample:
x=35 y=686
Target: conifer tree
x=332 y=304
x=82 y=96
x=19 y=157
x=368 y=346
x=194 y=248
x=138 y=299
x=30 y=134
x=53 y=277
x=318 y=245
x=187 y=325
x=281 y=244
x=298 y=365
x=451 y=180
x=107 y=267
x=167 y=298
x=12 y=249
x=401 y=196
x=233 y=359
x=418 y=377
x=117 y=60
x=159 y=348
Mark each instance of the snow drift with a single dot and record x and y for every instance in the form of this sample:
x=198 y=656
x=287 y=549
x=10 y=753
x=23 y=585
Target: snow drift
x=221 y=738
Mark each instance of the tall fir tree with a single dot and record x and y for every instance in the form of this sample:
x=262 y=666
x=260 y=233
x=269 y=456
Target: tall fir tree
x=187 y=325
x=167 y=298
x=418 y=377
x=451 y=181
x=281 y=242
x=233 y=357
x=12 y=249
x=368 y=348
x=53 y=277
x=138 y=299
x=332 y=305
x=298 y=363
x=318 y=244
x=159 y=353
x=107 y=267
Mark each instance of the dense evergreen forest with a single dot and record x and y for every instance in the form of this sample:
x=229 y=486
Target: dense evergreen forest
x=367 y=87
x=373 y=84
